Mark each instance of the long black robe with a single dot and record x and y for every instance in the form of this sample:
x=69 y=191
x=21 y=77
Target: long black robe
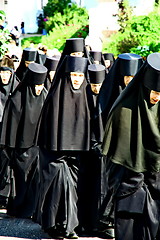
x=91 y=188
x=131 y=146
x=5 y=92
x=18 y=130
x=64 y=137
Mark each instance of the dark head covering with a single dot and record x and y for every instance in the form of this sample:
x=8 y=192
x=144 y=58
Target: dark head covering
x=51 y=63
x=36 y=74
x=23 y=110
x=129 y=63
x=108 y=56
x=74 y=45
x=29 y=54
x=96 y=73
x=152 y=73
x=76 y=64
x=132 y=134
x=41 y=58
x=114 y=82
x=65 y=119
x=7 y=89
x=96 y=55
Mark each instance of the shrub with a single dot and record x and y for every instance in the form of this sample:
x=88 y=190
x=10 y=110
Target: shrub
x=4 y=40
x=72 y=23
x=142 y=36
x=54 y=6
x=4 y=36
x=71 y=15
x=57 y=37
x=31 y=41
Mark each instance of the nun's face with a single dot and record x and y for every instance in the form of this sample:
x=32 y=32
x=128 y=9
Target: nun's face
x=77 y=54
x=154 y=97
x=127 y=79
x=107 y=63
x=77 y=79
x=28 y=62
x=96 y=62
x=5 y=76
x=51 y=75
x=38 y=89
x=96 y=87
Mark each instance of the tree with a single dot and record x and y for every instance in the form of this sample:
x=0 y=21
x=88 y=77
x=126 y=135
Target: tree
x=54 y=6
x=124 y=14
x=156 y=2
x=4 y=35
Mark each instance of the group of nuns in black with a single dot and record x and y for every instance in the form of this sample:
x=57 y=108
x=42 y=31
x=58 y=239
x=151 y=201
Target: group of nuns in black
x=22 y=96
x=83 y=157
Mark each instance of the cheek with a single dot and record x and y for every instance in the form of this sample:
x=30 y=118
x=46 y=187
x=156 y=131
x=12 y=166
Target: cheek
x=5 y=78
x=38 y=90
x=152 y=96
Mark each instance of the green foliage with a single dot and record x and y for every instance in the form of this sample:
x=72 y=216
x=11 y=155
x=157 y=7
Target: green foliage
x=2 y=15
x=57 y=37
x=64 y=21
x=54 y=6
x=31 y=41
x=71 y=15
x=124 y=14
x=141 y=35
x=4 y=40
x=4 y=35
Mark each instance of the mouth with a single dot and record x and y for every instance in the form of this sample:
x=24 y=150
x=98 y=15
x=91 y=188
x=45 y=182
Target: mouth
x=154 y=101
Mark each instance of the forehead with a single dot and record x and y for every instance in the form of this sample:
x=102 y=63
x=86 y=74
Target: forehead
x=38 y=85
x=155 y=92
x=96 y=84
x=76 y=52
x=5 y=71
x=76 y=73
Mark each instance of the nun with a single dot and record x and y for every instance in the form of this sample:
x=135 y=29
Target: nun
x=63 y=138
x=29 y=55
x=125 y=67
x=109 y=60
x=89 y=199
x=131 y=147
x=19 y=125
x=41 y=57
x=75 y=47
x=51 y=64
x=96 y=57
x=8 y=83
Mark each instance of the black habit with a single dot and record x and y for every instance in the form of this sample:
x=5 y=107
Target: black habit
x=64 y=137
x=18 y=130
x=131 y=147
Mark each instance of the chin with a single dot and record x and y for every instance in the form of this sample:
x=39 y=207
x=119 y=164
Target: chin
x=5 y=83
x=76 y=87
